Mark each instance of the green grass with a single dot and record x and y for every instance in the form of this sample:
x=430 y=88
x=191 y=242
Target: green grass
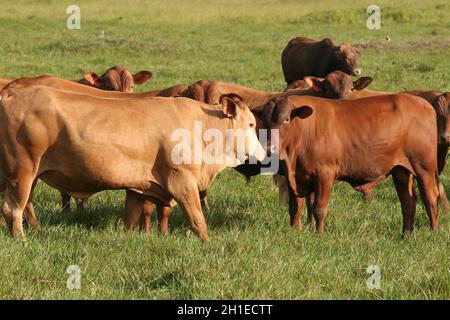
x=253 y=253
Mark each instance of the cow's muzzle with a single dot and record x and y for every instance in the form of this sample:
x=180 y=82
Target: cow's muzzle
x=357 y=71
x=445 y=139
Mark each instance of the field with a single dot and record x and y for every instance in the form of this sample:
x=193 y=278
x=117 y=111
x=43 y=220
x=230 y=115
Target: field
x=253 y=253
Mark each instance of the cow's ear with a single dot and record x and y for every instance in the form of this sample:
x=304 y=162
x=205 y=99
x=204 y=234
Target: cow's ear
x=229 y=107
x=93 y=79
x=302 y=112
x=237 y=99
x=358 y=53
x=362 y=83
x=309 y=80
x=259 y=111
x=343 y=47
x=142 y=76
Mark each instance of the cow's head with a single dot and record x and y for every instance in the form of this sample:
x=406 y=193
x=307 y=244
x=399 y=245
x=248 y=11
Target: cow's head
x=442 y=108
x=277 y=115
x=337 y=85
x=235 y=109
x=116 y=79
x=345 y=57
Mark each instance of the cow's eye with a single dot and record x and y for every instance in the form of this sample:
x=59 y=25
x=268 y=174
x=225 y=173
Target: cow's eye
x=286 y=120
x=252 y=125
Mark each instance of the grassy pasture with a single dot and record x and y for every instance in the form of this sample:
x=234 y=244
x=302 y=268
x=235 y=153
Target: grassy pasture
x=253 y=253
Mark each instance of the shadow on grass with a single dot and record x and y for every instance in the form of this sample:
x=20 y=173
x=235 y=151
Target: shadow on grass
x=99 y=216
x=218 y=217
x=90 y=218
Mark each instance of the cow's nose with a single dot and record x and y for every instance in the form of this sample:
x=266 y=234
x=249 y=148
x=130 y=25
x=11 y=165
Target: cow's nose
x=446 y=139
x=357 y=71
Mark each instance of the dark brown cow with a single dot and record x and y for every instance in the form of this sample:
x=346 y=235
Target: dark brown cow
x=358 y=141
x=307 y=57
x=116 y=79
x=336 y=85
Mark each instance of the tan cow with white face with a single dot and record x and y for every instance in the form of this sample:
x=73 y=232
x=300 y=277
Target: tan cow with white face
x=83 y=144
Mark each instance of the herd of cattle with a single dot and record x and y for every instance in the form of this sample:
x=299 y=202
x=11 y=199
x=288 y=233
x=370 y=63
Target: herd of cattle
x=95 y=134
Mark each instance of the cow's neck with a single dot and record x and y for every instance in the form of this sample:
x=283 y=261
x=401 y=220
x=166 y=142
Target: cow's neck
x=222 y=123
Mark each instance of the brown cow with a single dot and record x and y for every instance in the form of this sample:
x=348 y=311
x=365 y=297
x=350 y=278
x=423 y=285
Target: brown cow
x=57 y=83
x=116 y=79
x=307 y=57
x=439 y=101
x=54 y=82
x=332 y=86
x=358 y=141
x=83 y=144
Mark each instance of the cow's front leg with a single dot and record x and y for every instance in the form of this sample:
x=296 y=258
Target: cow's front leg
x=295 y=209
x=187 y=196
x=321 y=197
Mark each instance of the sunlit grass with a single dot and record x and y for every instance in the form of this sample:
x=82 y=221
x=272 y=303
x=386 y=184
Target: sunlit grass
x=253 y=252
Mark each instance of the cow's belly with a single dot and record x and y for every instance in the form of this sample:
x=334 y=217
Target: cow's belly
x=93 y=168
x=362 y=171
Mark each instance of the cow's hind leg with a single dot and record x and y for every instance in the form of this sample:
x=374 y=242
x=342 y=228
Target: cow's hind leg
x=30 y=216
x=29 y=212
x=204 y=199
x=430 y=195
x=65 y=202
x=146 y=216
x=163 y=218
x=443 y=200
x=322 y=192
x=82 y=203
x=133 y=210
x=16 y=196
x=404 y=185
